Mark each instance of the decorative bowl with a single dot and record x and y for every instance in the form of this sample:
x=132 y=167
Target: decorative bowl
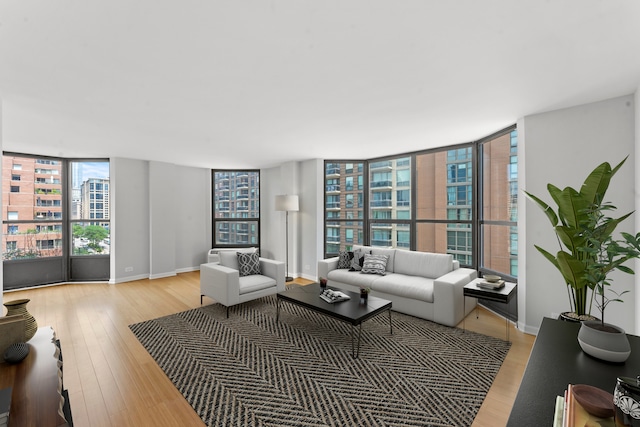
x=491 y=278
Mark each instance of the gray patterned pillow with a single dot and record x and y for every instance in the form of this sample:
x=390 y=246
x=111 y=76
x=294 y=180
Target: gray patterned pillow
x=357 y=260
x=248 y=264
x=344 y=259
x=375 y=264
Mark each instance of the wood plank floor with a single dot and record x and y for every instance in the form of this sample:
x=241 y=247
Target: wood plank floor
x=112 y=380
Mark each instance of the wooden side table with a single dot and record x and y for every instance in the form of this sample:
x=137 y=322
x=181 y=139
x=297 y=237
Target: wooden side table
x=503 y=295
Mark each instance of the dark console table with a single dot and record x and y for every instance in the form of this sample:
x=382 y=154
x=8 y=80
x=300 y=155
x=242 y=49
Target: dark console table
x=37 y=398
x=557 y=360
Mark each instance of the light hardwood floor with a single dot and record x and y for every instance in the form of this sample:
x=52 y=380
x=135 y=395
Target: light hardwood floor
x=112 y=380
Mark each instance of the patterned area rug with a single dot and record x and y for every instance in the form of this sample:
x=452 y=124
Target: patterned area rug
x=249 y=370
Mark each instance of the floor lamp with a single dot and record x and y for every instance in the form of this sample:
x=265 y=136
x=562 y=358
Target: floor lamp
x=287 y=204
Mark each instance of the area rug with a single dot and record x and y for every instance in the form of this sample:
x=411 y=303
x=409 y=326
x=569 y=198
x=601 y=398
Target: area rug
x=249 y=370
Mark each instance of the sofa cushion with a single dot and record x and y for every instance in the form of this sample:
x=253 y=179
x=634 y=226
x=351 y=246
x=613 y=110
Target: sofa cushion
x=344 y=259
x=255 y=282
x=391 y=253
x=248 y=264
x=413 y=287
x=374 y=264
x=423 y=264
x=353 y=278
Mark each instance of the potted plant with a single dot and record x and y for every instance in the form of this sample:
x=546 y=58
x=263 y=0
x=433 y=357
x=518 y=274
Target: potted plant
x=567 y=220
x=605 y=254
x=364 y=292
x=589 y=253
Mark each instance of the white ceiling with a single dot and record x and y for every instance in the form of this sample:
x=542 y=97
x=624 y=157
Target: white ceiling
x=254 y=83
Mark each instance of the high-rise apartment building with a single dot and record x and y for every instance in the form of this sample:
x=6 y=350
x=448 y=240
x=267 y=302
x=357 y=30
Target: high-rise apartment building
x=236 y=196
x=94 y=199
x=32 y=207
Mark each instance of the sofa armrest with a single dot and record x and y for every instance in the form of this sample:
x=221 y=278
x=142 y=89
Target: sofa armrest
x=326 y=265
x=448 y=296
x=220 y=283
x=275 y=270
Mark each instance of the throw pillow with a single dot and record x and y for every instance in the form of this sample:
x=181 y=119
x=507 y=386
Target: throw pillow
x=357 y=260
x=375 y=264
x=248 y=264
x=344 y=259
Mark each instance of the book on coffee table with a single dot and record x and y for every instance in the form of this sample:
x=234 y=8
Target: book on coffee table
x=331 y=296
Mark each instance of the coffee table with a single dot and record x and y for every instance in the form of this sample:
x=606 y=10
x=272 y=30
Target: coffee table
x=353 y=311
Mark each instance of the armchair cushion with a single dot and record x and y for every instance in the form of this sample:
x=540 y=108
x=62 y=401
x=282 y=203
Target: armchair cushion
x=248 y=264
x=229 y=259
x=255 y=282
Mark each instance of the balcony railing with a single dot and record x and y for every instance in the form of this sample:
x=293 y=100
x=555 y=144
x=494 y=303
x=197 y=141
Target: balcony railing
x=333 y=188
x=381 y=203
x=378 y=184
x=381 y=242
x=380 y=165
x=333 y=171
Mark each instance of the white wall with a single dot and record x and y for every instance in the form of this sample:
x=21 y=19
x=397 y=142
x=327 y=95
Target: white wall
x=305 y=226
x=130 y=249
x=193 y=208
x=161 y=219
x=562 y=147
x=311 y=224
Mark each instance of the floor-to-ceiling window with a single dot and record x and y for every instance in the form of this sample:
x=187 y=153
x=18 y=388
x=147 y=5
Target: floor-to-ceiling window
x=344 y=205
x=39 y=236
x=499 y=204
x=390 y=202
x=236 y=207
x=89 y=219
x=444 y=200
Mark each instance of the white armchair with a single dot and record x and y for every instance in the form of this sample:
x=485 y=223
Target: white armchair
x=223 y=283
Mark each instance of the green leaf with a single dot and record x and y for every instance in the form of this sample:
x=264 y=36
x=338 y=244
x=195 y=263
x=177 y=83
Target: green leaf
x=625 y=269
x=571 y=205
x=553 y=218
x=549 y=256
x=572 y=269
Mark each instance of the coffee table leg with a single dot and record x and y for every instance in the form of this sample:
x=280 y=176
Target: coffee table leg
x=277 y=309
x=355 y=352
x=390 y=324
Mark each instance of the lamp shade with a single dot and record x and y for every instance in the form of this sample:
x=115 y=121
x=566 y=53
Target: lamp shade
x=287 y=203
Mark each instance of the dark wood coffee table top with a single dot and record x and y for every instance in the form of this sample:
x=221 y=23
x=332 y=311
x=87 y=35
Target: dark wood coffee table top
x=351 y=311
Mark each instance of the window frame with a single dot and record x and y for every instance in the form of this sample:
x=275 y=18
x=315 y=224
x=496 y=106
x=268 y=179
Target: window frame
x=460 y=223
x=251 y=221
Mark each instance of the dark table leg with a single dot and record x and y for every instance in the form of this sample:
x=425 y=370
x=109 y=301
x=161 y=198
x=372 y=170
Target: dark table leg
x=355 y=352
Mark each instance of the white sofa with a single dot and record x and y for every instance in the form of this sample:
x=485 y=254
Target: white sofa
x=422 y=284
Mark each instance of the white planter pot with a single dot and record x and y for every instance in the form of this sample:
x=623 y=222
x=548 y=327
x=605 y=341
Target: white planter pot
x=607 y=346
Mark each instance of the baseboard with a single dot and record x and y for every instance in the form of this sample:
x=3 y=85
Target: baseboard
x=128 y=279
x=162 y=275
x=187 y=269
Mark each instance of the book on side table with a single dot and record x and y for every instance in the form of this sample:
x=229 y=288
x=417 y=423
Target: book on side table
x=491 y=285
